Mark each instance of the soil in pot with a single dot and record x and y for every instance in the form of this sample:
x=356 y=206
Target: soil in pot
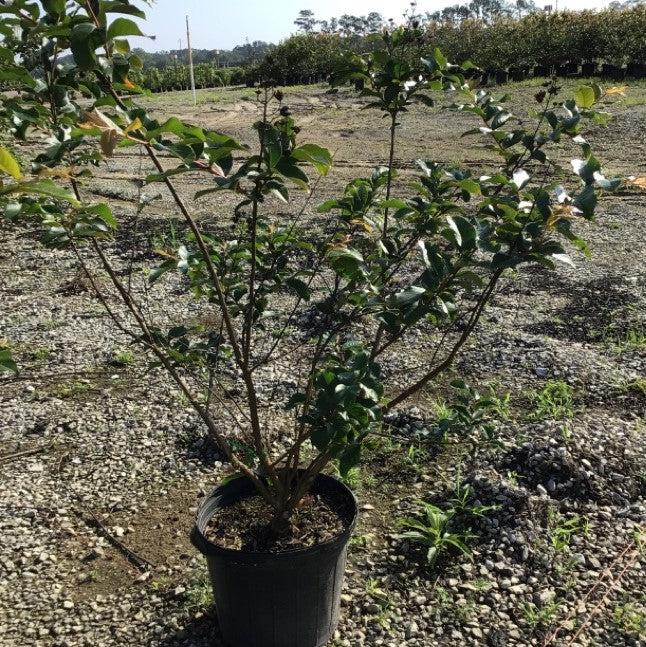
x=246 y=524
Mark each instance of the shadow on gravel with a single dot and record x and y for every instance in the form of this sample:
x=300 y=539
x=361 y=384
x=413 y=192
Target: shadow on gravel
x=201 y=632
x=584 y=476
x=142 y=239
x=541 y=465
x=198 y=447
x=593 y=313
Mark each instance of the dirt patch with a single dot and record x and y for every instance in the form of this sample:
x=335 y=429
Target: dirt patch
x=158 y=533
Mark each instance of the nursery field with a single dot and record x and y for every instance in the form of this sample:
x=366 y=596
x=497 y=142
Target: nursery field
x=103 y=463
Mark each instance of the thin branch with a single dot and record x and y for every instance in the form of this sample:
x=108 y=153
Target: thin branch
x=550 y=639
x=8 y=458
x=414 y=388
x=215 y=280
x=253 y=230
x=391 y=161
x=137 y=560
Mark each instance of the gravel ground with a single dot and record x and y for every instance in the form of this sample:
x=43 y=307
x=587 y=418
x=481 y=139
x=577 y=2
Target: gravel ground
x=96 y=448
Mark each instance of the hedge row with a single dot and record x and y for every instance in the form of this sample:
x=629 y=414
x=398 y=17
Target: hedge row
x=612 y=42
x=615 y=37
x=176 y=77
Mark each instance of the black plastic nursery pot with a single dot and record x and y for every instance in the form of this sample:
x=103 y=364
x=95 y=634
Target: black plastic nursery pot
x=542 y=70
x=518 y=73
x=613 y=72
x=287 y=599
x=636 y=70
x=502 y=76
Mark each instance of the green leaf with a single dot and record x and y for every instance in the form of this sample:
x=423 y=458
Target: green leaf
x=455 y=229
x=585 y=96
x=586 y=200
x=83 y=43
x=103 y=212
x=17 y=74
x=408 y=296
x=319 y=157
x=586 y=169
x=123 y=27
x=299 y=287
x=115 y=6
x=440 y=59
x=9 y=164
x=349 y=458
x=54 y=6
x=425 y=99
x=45 y=188
x=162 y=269
x=501 y=118
x=287 y=168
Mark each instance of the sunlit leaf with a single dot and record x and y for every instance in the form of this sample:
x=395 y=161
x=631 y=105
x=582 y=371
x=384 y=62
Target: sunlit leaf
x=317 y=156
x=9 y=164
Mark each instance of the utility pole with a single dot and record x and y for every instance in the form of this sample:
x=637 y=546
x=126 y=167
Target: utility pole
x=190 y=61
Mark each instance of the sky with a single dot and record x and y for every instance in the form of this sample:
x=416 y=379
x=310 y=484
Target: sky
x=222 y=24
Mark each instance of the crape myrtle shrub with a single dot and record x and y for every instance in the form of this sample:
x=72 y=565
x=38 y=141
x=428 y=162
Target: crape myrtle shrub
x=614 y=36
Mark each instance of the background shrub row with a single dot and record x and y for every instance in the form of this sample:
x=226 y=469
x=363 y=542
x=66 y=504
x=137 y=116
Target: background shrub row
x=588 y=42
x=176 y=77
x=611 y=42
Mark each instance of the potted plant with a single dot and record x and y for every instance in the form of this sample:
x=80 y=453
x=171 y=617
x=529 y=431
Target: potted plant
x=380 y=263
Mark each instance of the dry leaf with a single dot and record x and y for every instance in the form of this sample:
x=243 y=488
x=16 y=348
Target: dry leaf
x=564 y=211
x=617 y=89
x=362 y=224
x=109 y=141
x=560 y=211
x=96 y=119
x=110 y=132
x=65 y=173
x=637 y=181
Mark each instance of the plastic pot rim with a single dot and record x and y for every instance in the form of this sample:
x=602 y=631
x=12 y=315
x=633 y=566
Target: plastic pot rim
x=209 y=507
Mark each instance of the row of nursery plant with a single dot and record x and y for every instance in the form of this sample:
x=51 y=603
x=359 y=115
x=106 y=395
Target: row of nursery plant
x=385 y=264
x=614 y=36
x=177 y=77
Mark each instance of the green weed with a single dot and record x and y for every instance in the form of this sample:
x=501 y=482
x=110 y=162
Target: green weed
x=555 y=401
x=561 y=530
x=540 y=616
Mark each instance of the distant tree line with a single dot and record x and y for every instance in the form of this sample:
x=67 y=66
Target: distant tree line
x=239 y=56
x=350 y=25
